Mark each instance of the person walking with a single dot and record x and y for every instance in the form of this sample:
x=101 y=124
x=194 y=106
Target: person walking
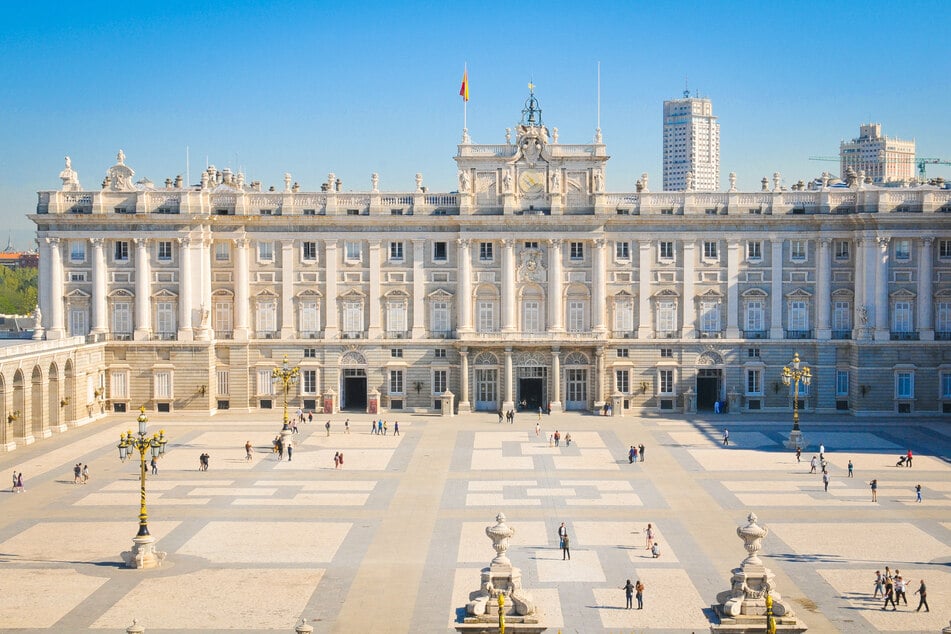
x=879 y=584
x=78 y=473
x=874 y=486
x=568 y=439
x=636 y=452
x=640 y=448
x=538 y=429
x=630 y=455
x=337 y=460
x=280 y=449
x=649 y=537
x=922 y=593
x=557 y=437
x=825 y=480
x=247 y=450
x=639 y=590
x=908 y=459
x=726 y=437
x=85 y=473
x=341 y=459
x=327 y=426
x=917 y=493
x=346 y=426
x=154 y=465
x=798 y=453
x=396 y=428
x=13 y=489
x=290 y=450
x=539 y=412
x=565 y=550
x=628 y=593
x=850 y=468
x=813 y=464
x=20 y=488
x=900 y=590
x=386 y=427
x=310 y=416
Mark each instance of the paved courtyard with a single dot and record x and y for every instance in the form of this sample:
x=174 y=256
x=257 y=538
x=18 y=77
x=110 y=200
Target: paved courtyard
x=394 y=540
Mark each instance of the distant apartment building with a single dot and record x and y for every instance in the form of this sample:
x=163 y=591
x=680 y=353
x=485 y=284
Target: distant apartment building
x=883 y=159
x=691 y=145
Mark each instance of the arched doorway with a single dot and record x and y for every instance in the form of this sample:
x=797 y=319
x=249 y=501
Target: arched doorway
x=353 y=382
x=486 y=368
x=577 y=366
x=709 y=380
x=532 y=386
x=69 y=392
x=18 y=413
x=54 y=405
x=38 y=422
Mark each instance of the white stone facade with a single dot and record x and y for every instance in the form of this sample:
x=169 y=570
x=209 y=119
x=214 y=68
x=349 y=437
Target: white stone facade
x=531 y=283
x=880 y=158
x=691 y=145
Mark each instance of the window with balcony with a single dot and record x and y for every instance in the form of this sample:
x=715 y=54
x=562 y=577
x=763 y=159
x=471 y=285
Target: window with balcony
x=942 y=323
x=577 y=312
x=531 y=316
x=901 y=318
x=666 y=317
x=265 y=317
x=486 y=316
x=798 y=318
x=122 y=318
x=309 y=317
x=352 y=317
x=841 y=320
x=624 y=316
x=165 y=318
x=755 y=322
x=440 y=317
x=396 y=317
x=709 y=317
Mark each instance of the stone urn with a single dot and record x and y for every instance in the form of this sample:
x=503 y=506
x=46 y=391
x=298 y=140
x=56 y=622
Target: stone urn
x=500 y=535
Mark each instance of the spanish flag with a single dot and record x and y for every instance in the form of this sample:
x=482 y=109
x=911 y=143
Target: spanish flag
x=464 y=90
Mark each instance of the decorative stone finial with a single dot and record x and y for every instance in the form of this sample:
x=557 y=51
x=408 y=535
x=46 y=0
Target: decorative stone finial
x=419 y=182
x=500 y=535
x=554 y=135
x=508 y=136
x=287 y=181
x=70 y=178
x=375 y=182
x=752 y=535
x=732 y=181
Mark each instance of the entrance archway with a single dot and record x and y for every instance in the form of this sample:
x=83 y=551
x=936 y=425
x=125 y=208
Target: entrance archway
x=708 y=388
x=486 y=368
x=353 y=382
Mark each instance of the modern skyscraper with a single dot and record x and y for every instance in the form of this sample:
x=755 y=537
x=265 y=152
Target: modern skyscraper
x=691 y=145
x=883 y=159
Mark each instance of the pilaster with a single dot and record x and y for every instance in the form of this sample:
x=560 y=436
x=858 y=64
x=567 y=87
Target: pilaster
x=242 y=290
x=287 y=289
x=732 y=289
x=925 y=307
x=556 y=309
x=143 y=291
x=776 y=289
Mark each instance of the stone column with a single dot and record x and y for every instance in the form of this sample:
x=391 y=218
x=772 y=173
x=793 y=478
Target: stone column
x=57 y=329
x=823 y=289
x=733 y=289
x=870 y=264
x=925 y=289
x=689 y=305
x=143 y=291
x=185 y=332
x=100 y=317
x=44 y=282
x=598 y=305
x=242 y=290
x=287 y=289
x=509 y=402
x=882 y=330
x=330 y=290
x=858 y=327
x=556 y=405
x=776 y=290
x=464 y=299
x=598 y=377
x=205 y=332
x=508 y=286
x=464 y=405
x=419 y=289
x=645 y=327
x=556 y=309
x=373 y=299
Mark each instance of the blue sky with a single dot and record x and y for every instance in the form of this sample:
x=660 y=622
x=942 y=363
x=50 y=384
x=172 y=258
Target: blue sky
x=361 y=87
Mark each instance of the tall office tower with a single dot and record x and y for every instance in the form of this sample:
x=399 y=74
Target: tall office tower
x=691 y=145
x=883 y=159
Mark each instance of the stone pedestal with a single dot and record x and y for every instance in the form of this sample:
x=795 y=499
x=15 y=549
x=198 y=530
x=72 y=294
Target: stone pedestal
x=796 y=439
x=690 y=400
x=617 y=404
x=501 y=578
x=744 y=607
x=445 y=402
x=143 y=553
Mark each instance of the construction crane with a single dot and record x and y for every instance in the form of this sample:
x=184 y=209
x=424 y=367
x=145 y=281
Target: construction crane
x=919 y=162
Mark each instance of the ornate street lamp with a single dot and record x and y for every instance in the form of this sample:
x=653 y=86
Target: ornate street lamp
x=286 y=376
x=143 y=553
x=793 y=374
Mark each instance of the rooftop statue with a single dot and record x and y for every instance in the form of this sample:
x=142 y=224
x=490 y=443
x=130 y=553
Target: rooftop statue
x=70 y=178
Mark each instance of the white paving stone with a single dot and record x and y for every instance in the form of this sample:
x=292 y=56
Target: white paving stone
x=727 y=459
x=493 y=460
x=72 y=541
x=583 y=567
x=475 y=546
x=38 y=598
x=670 y=602
x=267 y=542
x=497 y=499
x=855 y=588
x=874 y=542
x=589 y=459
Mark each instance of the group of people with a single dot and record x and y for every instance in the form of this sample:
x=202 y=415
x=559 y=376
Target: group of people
x=378 y=427
x=893 y=587
x=203 y=461
x=338 y=459
x=635 y=454
x=555 y=439
x=80 y=473
x=280 y=446
x=510 y=415
x=17 y=482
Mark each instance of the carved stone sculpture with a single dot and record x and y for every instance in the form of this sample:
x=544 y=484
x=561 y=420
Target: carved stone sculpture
x=732 y=181
x=119 y=176
x=70 y=178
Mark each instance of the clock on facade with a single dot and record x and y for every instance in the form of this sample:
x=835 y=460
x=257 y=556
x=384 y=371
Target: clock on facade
x=531 y=182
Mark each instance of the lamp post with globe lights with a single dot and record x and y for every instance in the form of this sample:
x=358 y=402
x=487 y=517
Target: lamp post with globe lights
x=793 y=374
x=143 y=553
x=285 y=376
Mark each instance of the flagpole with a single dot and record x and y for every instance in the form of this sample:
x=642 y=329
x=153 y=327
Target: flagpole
x=465 y=101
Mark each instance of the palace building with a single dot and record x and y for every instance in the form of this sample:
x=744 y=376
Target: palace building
x=531 y=285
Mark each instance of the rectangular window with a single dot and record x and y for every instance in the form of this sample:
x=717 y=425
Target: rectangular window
x=164 y=250
x=902 y=249
x=222 y=252
x=944 y=249
x=309 y=381
x=905 y=385
x=622 y=381
x=841 y=249
x=666 y=316
x=165 y=318
x=754 y=250
x=396 y=381
x=77 y=250
x=754 y=382
x=624 y=316
x=309 y=251
x=709 y=317
x=798 y=315
x=352 y=251
x=309 y=317
x=266 y=251
x=710 y=250
x=841 y=382
x=531 y=316
x=485 y=251
x=486 y=321
x=119 y=384
x=622 y=250
x=576 y=316
x=310 y=353
x=440 y=381
x=665 y=381
x=396 y=316
x=122 y=318
x=440 y=323
x=841 y=316
x=753 y=353
x=901 y=317
x=945 y=385
x=266 y=212
x=623 y=353
x=77 y=276
x=531 y=244
x=265 y=383
x=352 y=317
x=77 y=322
x=266 y=317
x=439 y=353
x=576 y=250
x=797 y=250
x=121 y=251
x=754 y=316
x=163 y=385
x=666 y=353
x=440 y=252
x=942 y=317
x=665 y=250
x=222 y=318
x=396 y=251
